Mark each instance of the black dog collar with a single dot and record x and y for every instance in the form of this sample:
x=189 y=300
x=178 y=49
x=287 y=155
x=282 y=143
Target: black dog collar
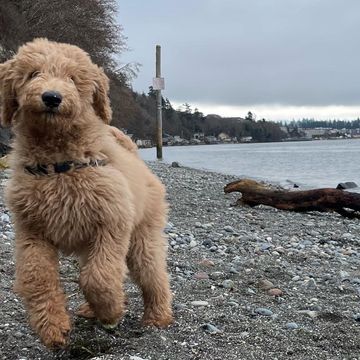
x=62 y=167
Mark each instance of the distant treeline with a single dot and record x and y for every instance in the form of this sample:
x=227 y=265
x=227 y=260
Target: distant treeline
x=327 y=124
x=91 y=25
x=186 y=122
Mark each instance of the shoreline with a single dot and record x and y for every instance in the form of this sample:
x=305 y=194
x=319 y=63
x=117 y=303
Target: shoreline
x=247 y=283
x=309 y=165
x=251 y=142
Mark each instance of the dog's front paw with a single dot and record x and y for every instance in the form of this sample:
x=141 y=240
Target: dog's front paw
x=54 y=333
x=85 y=311
x=160 y=322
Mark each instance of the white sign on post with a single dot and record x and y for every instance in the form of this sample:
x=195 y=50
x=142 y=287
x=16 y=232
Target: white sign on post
x=158 y=83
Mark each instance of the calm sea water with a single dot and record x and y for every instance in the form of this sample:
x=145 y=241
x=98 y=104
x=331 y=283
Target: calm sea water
x=309 y=164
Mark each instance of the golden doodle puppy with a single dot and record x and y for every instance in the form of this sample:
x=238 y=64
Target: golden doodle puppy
x=75 y=190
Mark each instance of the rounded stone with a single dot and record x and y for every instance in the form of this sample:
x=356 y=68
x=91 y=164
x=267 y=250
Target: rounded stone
x=264 y=312
x=199 y=303
x=228 y=284
x=275 y=292
x=211 y=329
x=264 y=284
x=292 y=326
x=229 y=228
x=201 y=275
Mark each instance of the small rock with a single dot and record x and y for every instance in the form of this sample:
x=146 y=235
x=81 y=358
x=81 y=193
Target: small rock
x=346 y=236
x=264 y=284
x=292 y=326
x=211 y=329
x=233 y=303
x=201 y=275
x=347 y=185
x=310 y=283
x=312 y=314
x=175 y=164
x=356 y=317
x=229 y=228
x=207 y=243
x=232 y=270
x=275 y=292
x=216 y=275
x=206 y=263
x=228 y=284
x=180 y=306
x=199 y=303
x=265 y=246
x=18 y=334
x=192 y=244
x=5 y=218
x=169 y=226
x=344 y=275
x=264 y=311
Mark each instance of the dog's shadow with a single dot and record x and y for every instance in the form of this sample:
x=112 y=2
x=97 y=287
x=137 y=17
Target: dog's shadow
x=89 y=339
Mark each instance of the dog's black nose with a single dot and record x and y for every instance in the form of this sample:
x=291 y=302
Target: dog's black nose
x=51 y=99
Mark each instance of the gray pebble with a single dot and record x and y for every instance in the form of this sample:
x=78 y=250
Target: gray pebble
x=199 y=303
x=180 y=306
x=211 y=329
x=265 y=246
x=264 y=311
x=233 y=303
x=216 y=275
x=292 y=326
x=5 y=218
x=310 y=283
x=232 y=270
x=229 y=228
x=193 y=243
x=228 y=284
x=207 y=243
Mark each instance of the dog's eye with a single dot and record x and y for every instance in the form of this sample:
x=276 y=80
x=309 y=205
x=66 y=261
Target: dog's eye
x=72 y=79
x=34 y=74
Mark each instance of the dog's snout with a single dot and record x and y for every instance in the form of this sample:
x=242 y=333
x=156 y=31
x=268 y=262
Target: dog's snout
x=51 y=99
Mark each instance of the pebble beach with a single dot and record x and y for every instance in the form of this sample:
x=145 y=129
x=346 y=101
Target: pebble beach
x=248 y=283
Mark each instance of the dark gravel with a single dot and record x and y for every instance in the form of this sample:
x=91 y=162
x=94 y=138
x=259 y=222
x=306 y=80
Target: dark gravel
x=247 y=283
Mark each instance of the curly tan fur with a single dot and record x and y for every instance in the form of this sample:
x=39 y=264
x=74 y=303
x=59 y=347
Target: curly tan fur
x=111 y=217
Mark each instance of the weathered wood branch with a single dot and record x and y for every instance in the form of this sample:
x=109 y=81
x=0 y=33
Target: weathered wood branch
x=327 y=199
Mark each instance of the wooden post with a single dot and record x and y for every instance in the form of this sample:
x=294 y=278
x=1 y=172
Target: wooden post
x=159 y=106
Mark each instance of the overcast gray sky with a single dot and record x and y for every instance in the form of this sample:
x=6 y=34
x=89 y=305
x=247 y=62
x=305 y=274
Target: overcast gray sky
x=281 y=59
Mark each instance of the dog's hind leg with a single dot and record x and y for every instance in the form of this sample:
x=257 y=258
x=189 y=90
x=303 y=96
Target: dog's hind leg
x=101 y=278
x=147 y=264
x=38 y=283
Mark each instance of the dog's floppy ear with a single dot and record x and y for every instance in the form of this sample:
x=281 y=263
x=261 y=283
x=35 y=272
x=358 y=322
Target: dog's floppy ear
x=101 y=98
x=8 y=103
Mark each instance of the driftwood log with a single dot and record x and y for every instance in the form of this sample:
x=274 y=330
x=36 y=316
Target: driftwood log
x=328 y=199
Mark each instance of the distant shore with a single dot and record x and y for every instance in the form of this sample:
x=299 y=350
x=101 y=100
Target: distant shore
x=252 y=142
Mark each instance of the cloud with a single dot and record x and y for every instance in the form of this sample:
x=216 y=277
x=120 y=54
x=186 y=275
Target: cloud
x=301 y=54
x=278 y=112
